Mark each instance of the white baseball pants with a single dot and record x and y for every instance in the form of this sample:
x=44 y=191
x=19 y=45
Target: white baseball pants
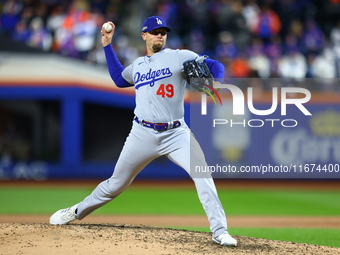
x=141 y=147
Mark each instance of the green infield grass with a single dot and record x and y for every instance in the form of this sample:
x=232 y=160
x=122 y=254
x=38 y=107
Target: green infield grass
x=174 y=201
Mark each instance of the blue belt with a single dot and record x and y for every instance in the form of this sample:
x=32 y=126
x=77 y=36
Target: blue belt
x=158 y=126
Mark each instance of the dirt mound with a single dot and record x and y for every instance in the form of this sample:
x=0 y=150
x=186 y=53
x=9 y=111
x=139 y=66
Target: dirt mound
x=38 y=238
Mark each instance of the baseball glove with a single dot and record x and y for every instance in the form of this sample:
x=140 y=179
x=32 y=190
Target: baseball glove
x=198 y=75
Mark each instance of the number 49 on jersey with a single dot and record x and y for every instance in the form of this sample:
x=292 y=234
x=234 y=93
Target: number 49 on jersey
x=166 y=90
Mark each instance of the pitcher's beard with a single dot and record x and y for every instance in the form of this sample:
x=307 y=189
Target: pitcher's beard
x=157 y=47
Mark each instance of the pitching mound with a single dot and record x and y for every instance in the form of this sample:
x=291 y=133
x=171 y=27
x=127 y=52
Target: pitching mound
x=37 y=238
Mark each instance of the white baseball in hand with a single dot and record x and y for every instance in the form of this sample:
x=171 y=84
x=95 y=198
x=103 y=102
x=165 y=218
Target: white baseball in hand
x=107 y=27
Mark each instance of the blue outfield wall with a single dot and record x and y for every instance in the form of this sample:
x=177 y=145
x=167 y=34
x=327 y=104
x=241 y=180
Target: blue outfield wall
x=311 y=149
x=293 y=146
x=41 y=171
x=71 y=165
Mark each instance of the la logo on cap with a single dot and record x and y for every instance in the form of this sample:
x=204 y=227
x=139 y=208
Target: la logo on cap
x=154 y=22
x=159 y=22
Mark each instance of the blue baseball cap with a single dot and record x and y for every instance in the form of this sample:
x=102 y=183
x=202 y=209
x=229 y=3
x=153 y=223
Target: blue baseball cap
x=154 y=22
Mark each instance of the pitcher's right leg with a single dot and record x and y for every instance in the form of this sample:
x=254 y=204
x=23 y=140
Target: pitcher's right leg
x=138 y=151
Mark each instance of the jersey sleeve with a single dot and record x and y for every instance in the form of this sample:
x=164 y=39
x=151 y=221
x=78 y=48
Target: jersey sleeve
x=128 y=74
x=186 y=55
x=115 y=67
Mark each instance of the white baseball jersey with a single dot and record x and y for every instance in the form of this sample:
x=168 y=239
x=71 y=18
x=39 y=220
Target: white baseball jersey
x=159 y=87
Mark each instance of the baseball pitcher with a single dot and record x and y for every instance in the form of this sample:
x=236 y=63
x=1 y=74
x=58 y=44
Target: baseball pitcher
x=158 y=127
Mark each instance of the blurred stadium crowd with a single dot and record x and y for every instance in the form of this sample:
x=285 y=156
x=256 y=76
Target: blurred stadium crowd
x=253 y=38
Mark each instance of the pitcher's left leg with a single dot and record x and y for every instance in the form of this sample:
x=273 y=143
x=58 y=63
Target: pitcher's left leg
x=187 y=155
